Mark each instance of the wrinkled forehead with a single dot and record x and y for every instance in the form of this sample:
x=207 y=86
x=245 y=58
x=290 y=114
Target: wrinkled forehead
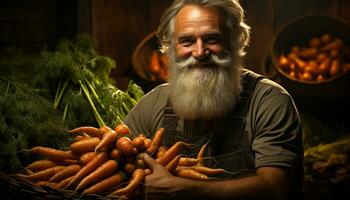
x=191 y=14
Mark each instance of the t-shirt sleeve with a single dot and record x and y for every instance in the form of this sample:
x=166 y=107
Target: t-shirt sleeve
x=146 y=116
x=278 y=134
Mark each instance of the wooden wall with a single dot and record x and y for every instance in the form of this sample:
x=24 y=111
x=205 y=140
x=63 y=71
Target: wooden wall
x=120 y=25
x=267 y=17
x=32 y=25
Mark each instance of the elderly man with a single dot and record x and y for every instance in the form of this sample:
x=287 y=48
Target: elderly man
x=250 y=123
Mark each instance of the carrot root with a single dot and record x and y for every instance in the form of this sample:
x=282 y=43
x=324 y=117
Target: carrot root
x=137 y=178
x=101 y=172
x=106 y=184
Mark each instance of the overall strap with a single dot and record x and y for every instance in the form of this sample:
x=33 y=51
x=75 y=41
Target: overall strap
x=237 y=116
x=170 y=120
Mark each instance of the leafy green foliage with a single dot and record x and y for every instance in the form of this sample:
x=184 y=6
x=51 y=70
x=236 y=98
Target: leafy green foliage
x=45 y=94
x=27 y=119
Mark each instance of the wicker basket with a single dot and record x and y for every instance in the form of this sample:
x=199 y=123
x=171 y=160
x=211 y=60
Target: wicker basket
x=142 y=55
x=298 y=32
x=13 y=187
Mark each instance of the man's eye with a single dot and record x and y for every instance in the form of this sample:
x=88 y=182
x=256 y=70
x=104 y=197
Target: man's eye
x=212 y=40
x=186 y=42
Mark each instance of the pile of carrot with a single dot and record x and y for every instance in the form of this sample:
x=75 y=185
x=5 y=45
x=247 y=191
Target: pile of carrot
x=108 y=161
x=324 y=58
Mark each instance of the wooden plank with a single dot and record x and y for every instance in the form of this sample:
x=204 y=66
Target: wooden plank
x=344 y=7
x=23 y=10
x=22 y=32
x=260 y=16
x=156 y=10
x=321 y=7
x=84 y=16
x=66 y=12
x=118 y=26
x=285 y=11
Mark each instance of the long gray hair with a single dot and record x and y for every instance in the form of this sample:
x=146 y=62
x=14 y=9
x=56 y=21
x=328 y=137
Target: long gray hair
x=233 y=13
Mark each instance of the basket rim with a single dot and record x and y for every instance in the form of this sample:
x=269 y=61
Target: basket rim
x=138 y=48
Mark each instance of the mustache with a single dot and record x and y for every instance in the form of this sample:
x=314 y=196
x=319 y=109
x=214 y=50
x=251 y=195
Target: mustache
x=212 y=59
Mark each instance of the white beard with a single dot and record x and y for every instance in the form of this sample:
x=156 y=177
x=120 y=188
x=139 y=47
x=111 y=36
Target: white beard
x=204 y=92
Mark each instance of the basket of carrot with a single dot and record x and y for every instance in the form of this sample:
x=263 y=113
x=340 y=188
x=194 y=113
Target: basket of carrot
x=149 y=62
x=102 y=163
x=312 y=56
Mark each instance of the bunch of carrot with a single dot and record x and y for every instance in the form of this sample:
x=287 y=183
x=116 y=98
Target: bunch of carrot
x=107 y=161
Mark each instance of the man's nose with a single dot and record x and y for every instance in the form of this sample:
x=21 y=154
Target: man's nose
x=199 y=50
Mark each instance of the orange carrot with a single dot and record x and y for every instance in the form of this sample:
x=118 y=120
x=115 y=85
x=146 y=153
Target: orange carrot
x=125 y=146
x=191 y=174
x=122 y=130
x=115 y=154
x=108 y=138
x=139 y=143
x=203 y=169
x=28 y=171
x=106 y=184
x=92 y=131
x=45 y=183
x=85 y=145
x=86 y=157
x=201 y=153
x=66 y=172
x=80 y=137
x=67 y=162
x=137 y=178
x=171 y=166
x=171 y=153
x=129 y=168
x=62 y=184
x=160 y=151
x=41 y=165
x=45 y=174
x=102 y=130
x=101 y=172
x=335 y=44
x=53 y=153
x=90 y=167
x=156 y=141
x=149 y=141
x=187 y=161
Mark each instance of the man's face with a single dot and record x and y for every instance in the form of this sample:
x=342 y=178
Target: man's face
x=198 y=33
x=204 y=76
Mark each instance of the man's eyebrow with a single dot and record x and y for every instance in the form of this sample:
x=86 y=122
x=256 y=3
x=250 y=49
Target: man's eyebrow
x=182 y=36
x=188 y=35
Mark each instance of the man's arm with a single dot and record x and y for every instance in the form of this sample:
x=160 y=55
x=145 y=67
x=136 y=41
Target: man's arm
x=268 y=183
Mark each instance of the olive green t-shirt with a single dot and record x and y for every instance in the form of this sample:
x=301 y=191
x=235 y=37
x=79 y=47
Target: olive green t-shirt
x=272 y=125
x=272 y=122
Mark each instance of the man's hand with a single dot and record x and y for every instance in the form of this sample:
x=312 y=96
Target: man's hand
x=269 y=183
x=161 y=184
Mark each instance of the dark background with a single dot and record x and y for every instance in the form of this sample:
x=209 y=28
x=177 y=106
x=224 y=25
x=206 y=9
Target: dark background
x=120 y=25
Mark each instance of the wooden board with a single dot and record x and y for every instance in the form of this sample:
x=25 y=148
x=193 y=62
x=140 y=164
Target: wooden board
x=260 y=17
